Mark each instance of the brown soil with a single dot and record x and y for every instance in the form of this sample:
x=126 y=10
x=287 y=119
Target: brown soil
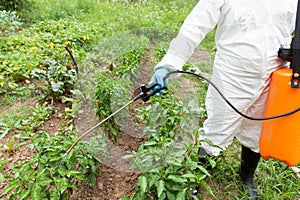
x=22 y=153
x=115 y=178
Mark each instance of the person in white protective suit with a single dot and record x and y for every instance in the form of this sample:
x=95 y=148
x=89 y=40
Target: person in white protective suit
x=248 y=36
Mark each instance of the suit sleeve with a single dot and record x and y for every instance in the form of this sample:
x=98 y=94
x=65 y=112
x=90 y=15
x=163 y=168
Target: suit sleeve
x=202 y=19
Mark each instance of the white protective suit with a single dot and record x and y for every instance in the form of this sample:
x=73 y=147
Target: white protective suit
x=249 y=34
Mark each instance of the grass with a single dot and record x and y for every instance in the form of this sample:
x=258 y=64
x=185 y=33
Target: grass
x=274 y=179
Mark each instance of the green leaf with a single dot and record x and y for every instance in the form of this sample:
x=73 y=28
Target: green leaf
x=13 y=184
x=41 y=174
x=36 y=193
x=125 y=198
x=128 y=156
x=181 y=195
x=160 y=187
x=67 y=99
x=143 y=183
x=150 y=143
x=209 y=190
x=212 y=163
x=196 y=197
x=57 y=87
x=176 y=162
x=204 y=170
x=20 y=144
x=177 y=179
x=154 y=179
x=64 y=184
x=45 y=181
x=1 y=177
x=24 y=194
x=54 y=194
x=55 y=158
x=4 y=133
x=177 y=187
x=162 y=196
x=188 y=175
x=171 y=196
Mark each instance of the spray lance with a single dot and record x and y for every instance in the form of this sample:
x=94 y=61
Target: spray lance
x=145 y=94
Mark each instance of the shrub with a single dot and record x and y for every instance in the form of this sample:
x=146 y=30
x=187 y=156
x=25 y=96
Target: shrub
x=15 y=5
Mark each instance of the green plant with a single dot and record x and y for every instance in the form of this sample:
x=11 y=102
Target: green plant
x=3 y=163
x=56 y=9
x=277 y=181
x=24 y=122
x=39 y=114
x=168 y=160
x=27 y=118
x=12 y=121
x=50 y=174
x=13 y=5
x=9 y=21
x=114 y=84
x=60 y=79
x=173 y=170
x=27 y=50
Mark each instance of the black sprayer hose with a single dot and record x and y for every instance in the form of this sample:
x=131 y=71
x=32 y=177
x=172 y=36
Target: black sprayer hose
x=229 y=103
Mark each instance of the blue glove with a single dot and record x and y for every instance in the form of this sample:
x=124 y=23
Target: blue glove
x=159 y=75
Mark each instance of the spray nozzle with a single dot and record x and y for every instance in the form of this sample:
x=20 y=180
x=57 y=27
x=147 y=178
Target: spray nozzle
x=149 y=91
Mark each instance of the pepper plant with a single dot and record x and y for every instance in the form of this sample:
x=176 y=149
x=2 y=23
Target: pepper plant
x=114 y=86
x=168 y=161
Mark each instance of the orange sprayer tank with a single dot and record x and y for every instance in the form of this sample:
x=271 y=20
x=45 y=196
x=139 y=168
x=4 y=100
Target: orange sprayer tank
x=280 y=138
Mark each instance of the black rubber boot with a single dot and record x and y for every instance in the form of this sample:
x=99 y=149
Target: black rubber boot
x=249 y=162
x=202 y=154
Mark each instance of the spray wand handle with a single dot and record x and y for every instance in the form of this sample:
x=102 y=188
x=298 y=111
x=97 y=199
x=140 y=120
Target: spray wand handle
x=145 y=95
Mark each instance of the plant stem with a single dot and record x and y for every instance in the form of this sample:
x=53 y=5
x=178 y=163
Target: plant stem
x=73 y=60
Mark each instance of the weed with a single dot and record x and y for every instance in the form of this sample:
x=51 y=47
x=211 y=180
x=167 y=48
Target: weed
x=59 y=79
x=14 y=120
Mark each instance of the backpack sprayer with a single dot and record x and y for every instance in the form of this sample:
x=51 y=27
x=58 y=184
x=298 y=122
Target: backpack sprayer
x=280 y=138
